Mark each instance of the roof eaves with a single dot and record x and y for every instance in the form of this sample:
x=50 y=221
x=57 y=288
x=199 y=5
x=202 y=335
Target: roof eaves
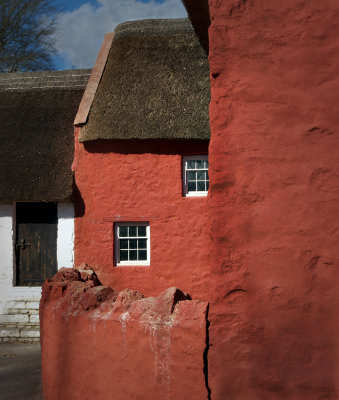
x=198 y=13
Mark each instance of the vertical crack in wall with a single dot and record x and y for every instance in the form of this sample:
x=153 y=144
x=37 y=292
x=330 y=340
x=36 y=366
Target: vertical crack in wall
x=205 y=356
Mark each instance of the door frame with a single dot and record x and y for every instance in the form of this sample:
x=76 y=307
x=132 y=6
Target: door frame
x=29 y=267
x=65 y=241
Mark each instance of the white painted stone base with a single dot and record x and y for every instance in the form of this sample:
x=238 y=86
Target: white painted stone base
x=19 y=305
x=19 y=321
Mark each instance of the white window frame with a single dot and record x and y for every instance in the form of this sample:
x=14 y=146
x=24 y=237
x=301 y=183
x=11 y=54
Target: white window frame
x=186 y=193
x=117 y=244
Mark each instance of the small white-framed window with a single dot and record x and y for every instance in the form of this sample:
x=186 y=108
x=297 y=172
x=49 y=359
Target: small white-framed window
x=132 y=243
x=195 y=175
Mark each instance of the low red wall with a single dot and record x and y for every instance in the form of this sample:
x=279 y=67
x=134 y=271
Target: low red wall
x=133 y=180
x=100 y=344
x=274 y=200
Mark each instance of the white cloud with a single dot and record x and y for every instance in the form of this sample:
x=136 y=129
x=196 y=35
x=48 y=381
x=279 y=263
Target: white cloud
x=80 y=32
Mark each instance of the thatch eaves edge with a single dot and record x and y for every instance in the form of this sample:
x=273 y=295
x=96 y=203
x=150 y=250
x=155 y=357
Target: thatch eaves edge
x=153 y=87
x=37 y=144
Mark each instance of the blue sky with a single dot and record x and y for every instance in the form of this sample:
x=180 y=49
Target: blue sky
x=81 y=25
x=73 y=4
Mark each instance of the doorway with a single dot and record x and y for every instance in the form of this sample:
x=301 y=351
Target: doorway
x=36 y=242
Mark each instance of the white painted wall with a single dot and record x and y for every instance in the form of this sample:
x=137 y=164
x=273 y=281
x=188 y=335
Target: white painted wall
x=6 y=251
x=65 y=243
x=6 y=243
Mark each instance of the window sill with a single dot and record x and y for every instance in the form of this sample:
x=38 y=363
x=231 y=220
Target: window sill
x=196 y=194
x=132 y=265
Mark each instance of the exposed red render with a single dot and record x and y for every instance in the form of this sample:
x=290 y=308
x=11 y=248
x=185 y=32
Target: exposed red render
x=100 y=344
x=141 y=181
x=273 y=208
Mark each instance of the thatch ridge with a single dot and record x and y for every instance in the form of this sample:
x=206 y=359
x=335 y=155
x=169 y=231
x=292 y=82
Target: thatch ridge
x=155 y=85
x=153 y=27
x=42 y=80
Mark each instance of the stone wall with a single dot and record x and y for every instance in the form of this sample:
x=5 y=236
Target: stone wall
x=100 y=344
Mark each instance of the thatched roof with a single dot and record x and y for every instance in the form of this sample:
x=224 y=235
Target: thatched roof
x=37 y=110
x=155 y=85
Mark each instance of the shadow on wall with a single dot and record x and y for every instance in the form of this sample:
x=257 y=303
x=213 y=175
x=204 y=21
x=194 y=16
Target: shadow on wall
x=79 y=204
x=148 y=146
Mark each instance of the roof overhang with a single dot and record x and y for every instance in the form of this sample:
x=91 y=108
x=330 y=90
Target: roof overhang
x=198 y=13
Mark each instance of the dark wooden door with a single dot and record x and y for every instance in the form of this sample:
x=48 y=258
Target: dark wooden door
x=36 y=237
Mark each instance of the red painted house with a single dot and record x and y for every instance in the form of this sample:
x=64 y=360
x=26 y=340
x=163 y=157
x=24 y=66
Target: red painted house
x=261 y=247
x=141 y=160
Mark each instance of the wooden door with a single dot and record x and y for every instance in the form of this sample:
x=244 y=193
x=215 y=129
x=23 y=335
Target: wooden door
x=35 y=247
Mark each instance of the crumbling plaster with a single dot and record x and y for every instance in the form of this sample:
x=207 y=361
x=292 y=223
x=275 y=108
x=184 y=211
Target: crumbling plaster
x=101 y=344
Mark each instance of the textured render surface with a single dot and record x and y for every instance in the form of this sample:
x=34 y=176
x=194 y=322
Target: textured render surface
x=274 y=200
x=133 y=181
x=100 y=344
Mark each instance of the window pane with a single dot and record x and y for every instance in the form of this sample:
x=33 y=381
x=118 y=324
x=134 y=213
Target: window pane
x=207 y=175
x=132 y=231
x=207 y=186
x=200 y=164
x=191 y=164
x=142 y=244
x=142 y=255
x=123 y=231
x=206 y=164
x=201 y=186
x=133 y=243
x=123 y=244
x=191 y=175
x=201 y=175
x=192 y=187
x=141 y=230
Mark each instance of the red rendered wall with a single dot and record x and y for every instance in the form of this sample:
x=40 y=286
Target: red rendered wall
x=274 y=199
x=132 y=180
x=100 y=344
